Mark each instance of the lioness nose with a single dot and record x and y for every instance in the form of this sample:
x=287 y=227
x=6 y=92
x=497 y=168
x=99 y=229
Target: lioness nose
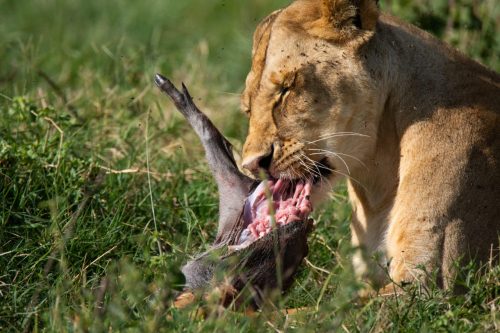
x=257 y=163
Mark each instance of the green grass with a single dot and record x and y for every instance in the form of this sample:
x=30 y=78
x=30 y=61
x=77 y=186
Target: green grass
x=80 y=222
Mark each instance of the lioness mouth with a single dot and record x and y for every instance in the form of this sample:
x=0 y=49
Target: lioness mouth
x=277 y=202
x=274 y=202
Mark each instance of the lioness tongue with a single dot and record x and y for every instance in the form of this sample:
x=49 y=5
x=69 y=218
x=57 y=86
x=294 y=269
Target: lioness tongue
x=290 y=203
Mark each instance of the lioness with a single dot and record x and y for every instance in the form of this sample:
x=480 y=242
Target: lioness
x=338 y=90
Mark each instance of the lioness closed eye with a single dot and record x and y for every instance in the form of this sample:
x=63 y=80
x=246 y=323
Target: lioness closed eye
x=338 y=90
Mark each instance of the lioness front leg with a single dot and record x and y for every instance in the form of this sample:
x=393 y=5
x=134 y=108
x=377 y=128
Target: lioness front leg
x=414 y=248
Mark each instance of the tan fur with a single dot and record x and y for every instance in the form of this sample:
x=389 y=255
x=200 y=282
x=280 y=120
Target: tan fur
x=414 y=124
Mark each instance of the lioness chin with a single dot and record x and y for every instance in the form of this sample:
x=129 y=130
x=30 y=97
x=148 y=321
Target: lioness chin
x=338 y=90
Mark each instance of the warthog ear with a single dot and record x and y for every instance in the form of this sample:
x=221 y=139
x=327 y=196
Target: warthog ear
x=340 y=20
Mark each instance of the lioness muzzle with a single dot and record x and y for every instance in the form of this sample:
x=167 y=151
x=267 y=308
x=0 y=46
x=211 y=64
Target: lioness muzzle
x=262 y=228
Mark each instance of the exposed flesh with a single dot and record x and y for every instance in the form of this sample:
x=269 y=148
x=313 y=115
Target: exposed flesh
x=280 y=202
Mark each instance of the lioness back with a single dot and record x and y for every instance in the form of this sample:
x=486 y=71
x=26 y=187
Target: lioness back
x=338 y=90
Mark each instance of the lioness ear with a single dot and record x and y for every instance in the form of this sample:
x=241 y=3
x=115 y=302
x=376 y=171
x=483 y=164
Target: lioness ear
x=341 y=19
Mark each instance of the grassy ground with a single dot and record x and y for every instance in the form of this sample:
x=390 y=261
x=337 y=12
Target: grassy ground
x=80 y=216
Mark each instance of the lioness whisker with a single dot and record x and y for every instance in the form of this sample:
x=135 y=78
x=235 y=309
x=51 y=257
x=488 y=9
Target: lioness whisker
x=341 y=154
x=336 y=171
x=311 y=161
x=301 y=175
x=325 y=181
x=316 y=172
x=307 y=168
x=310 y=170
x=335 y=155
x=338 y=135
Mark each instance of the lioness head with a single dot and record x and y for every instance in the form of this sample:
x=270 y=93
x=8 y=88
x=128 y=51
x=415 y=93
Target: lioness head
x=312 y=95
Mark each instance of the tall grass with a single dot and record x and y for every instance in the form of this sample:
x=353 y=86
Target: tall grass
x=78 y=244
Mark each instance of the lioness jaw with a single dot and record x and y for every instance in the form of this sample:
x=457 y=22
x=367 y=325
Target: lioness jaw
x=266 y=264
